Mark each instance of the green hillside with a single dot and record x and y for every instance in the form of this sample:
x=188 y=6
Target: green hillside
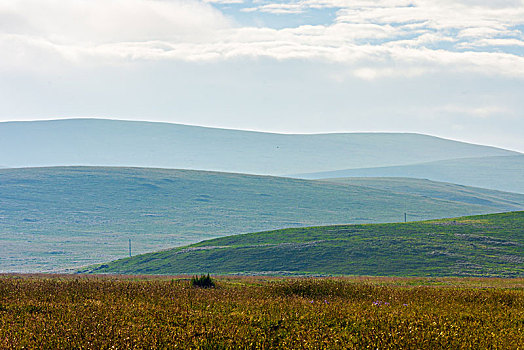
x=489 y=245
x=100 y=142
x=504 y=173
x=65 y=217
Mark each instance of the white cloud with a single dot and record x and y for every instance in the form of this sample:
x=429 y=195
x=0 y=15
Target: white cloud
x=103 y=21
x=281 y=8
x=372 y=38
x=492 y=42
x=225 y=2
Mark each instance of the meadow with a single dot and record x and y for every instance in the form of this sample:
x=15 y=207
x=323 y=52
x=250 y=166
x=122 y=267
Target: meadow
x=133 y=312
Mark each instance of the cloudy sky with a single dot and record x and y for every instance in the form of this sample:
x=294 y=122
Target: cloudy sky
x=451 y=68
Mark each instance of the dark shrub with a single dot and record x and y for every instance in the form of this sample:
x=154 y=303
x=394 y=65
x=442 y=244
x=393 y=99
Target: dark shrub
x=202 y=281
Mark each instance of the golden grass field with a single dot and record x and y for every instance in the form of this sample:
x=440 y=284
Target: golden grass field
x=134 y=312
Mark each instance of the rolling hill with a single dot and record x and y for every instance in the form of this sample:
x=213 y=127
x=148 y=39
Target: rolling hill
x=102 y=142
x=504 y=173
x=65 y=217
x=490 y=245
x=434 y=189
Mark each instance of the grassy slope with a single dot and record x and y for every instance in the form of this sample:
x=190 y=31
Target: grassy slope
x=53 y=218
x=490 y=245
x=163 y=145
x=499 y=173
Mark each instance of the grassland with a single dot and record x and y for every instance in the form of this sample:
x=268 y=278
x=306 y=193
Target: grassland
x=486 y=245
x=67 y=217
x=66 y=312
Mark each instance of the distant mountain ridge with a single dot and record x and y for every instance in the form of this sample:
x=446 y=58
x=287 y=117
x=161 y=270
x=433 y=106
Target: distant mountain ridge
x=104 y=142
x=499 y=173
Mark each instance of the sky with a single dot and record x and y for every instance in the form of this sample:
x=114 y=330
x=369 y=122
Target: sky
x=450 y=68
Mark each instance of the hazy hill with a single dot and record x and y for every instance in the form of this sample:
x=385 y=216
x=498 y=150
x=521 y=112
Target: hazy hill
x=491 y=245
x=434 y=189
x=500 y=173
x=53 y=218
x=102 y=142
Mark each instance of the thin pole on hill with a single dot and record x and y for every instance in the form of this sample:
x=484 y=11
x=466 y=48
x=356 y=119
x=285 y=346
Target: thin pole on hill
x=129 y=247
x=405 y=217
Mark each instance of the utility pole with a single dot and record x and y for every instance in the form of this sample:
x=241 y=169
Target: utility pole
x=129 y=247
x=405 y=220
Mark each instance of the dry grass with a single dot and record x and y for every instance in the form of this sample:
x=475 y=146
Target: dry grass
x=61 y=312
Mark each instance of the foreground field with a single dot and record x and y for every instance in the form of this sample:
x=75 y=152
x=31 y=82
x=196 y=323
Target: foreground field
x=51 y=312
